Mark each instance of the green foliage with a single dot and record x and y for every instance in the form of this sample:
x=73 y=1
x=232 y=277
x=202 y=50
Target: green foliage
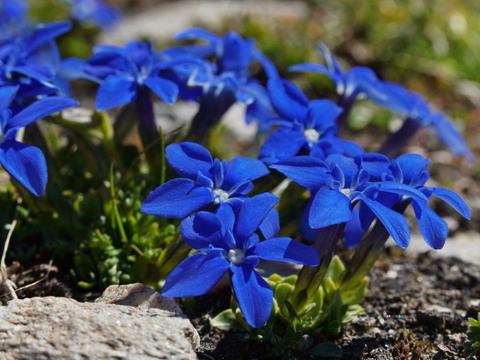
x=90 y=220
x=473 y=334
x=292 y=331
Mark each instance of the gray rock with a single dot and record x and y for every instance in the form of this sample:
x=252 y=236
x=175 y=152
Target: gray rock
x=62 y=328
x=166 y=19
x=143 y=297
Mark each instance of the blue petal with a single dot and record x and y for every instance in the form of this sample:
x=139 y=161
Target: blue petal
x=329 y=207
x=196 y=33
x=400 y=189
x=252 y=213
x=165 y=89
x=282 y=145
x=353 y=230
x=26 y=164
x=286 y=250
x=270 y=226
x=287 y=99
x=201 y=230
x=177 y=198
x=115 y=91
x=45 y=33
x=226 y=215
x=323 y=114
x=241 y=169
x=196 y=275
x=188 y=159
x=7 y=94
x=394 y=223
x=39 y=110
x=413 y=166
x=311 y=67
x=306 y=171
x=434 y=229
x=452 y=199
x=448 y=133
x=253 y=295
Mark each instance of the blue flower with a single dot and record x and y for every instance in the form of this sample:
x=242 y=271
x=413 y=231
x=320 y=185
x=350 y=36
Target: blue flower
x=227 y=242
x=96 y=12
x=220 y=84
x=418 y=114
x=362 y=81
x=356 y=191
x=302 y=124
x=31 y=60
x=125 y=73
x=349 y=84
x=205 y=182
x=24 y=162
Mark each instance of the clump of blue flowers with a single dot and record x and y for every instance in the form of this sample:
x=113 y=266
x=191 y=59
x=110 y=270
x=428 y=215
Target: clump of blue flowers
x=223 y=218
x=352 y=197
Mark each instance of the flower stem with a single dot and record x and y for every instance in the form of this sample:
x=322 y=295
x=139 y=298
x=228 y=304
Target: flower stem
x=151 y=135
x=395 y=143
x=368 y=252
x=310 y=278
x=211 y=110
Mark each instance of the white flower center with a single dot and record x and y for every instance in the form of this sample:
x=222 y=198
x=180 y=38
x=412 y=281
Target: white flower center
x=219 y=196
x=346 y=192
x=236 y=256
x=311 y=135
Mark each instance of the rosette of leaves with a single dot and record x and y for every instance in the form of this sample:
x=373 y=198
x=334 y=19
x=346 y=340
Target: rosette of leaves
x=332 y=307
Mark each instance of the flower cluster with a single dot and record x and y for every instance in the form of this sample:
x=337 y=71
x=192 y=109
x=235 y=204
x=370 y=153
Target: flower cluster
x=31 y=88
x=349 y=189
x=361 y=81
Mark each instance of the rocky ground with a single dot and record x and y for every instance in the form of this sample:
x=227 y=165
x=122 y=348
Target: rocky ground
x=416 y=308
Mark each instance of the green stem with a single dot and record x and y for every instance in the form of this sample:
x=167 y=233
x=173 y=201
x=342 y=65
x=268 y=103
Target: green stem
x=171 y=257
x=310 y=278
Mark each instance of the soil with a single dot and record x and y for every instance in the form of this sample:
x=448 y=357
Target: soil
x=416 y=309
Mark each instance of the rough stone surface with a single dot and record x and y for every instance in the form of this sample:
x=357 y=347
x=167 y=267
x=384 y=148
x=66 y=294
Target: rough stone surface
x=62 y=328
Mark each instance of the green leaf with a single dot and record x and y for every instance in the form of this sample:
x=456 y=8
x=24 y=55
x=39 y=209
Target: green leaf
x=356 y=294
x=225 y=321
x=327 y=350
x=336 y=270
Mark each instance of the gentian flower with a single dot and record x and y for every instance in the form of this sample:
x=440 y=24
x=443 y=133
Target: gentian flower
x=362 y=81
x=24 y=162
x=127 y=73
x=302 y=124
x=96 y=12
x=217 y=86
x=349 y=84
x=204 y=182
x=418 y=114
x=30 y=61
x=356 y=191
x=226 y=242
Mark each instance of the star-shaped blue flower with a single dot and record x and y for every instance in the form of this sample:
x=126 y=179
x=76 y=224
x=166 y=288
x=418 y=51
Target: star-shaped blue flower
x=30 y=60
x=228 y=79
x=302 y=124
x=356 y=191
x=125 y=73
x=204 y=182
x=24 y=162
x=362 y=81
x=226 y=242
